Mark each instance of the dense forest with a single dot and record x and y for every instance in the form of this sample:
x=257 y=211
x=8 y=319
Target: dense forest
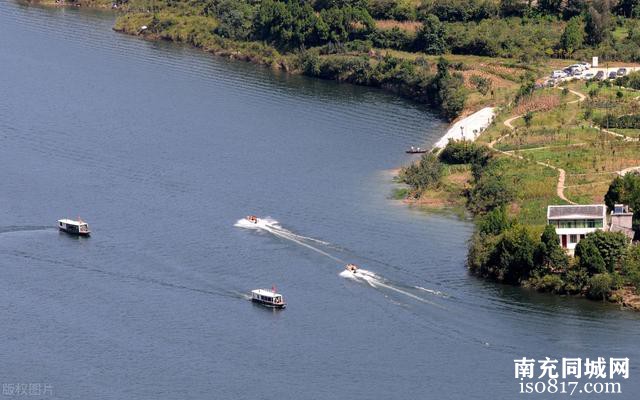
x=497 y=28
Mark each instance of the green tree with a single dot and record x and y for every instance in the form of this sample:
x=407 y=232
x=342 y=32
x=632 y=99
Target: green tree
x=494 y=222
x=612 y=246
x=235 y=18
x=431 y=37
x=597 y=23
x=527 y=87
x=423 y=175
x=513 y=256
x=450 y=93
x=464 y=152
x=488 y=192
x=589 y=258
x=600 y=286
x=550 y=257
x=573 y=36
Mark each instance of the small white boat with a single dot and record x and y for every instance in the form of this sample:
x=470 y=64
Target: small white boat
x=74 y=227
x=268 y=298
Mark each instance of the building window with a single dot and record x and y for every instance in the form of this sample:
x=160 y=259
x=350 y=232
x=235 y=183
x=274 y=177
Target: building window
x=573 y=238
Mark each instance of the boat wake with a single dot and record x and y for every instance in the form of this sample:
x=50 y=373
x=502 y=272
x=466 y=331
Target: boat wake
x=25 y=228
x=361 y=275
x=378 y=282
x=272 y=226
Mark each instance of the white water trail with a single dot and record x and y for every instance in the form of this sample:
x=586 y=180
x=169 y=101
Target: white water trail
x=433 y=292
x=271 y=226
x=377 y=282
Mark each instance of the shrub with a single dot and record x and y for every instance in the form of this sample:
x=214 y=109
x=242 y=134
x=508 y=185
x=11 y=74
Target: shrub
x=463 y=152
x=431 y=37
x=489 y=192
x=589 y=258
x=600 y=286
x=423 y=175
x=550 y=257
x=513 y=255
x=494 y=222
x=394 y=38
x=483 y=85
x=548 y=283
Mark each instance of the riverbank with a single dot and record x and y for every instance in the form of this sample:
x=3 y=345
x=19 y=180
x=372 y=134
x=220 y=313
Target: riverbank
x=471 y=82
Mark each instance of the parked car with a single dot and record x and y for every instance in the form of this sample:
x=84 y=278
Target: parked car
x=599 y=75
x=558 y=74
x=577 y=74
x=622 y=71
x=589 y=75
x=613 y=75
x=577 y=66
x=585 y=65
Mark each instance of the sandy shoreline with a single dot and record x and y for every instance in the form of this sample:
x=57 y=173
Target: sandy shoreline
x=468 y=128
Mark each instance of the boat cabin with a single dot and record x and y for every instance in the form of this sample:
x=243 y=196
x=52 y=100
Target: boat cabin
x=268 y=298
x=74 y=227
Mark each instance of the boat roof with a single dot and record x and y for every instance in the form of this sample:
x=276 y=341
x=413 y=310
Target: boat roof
x=72 y=222
x=266 y=292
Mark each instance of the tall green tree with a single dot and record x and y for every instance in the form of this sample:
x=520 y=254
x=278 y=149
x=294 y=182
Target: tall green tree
x=550 y=257
x=431 y=37
x=572 y=37
x=589 y=258
x=513 y=256
x=597 y=22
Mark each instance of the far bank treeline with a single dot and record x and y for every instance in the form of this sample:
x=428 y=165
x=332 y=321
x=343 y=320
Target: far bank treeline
x=329 y=40
x=507 y=250
x=341 y=39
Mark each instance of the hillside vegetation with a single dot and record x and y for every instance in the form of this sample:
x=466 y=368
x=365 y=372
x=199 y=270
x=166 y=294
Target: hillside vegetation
x=394 y=44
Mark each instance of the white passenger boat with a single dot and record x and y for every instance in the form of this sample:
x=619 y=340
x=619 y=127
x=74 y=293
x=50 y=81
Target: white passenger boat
x=268 y=298
x=74 y=227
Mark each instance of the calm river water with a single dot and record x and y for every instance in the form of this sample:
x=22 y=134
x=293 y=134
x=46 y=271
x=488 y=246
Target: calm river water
x=163 y=149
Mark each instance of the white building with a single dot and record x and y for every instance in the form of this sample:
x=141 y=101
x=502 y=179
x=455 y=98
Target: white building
x=574 y=222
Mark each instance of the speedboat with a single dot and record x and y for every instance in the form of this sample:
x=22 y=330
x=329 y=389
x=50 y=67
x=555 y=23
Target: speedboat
x=268 y=298
x=252 y=218
x=415 y=150
x=74 y=227
x=351 y=268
